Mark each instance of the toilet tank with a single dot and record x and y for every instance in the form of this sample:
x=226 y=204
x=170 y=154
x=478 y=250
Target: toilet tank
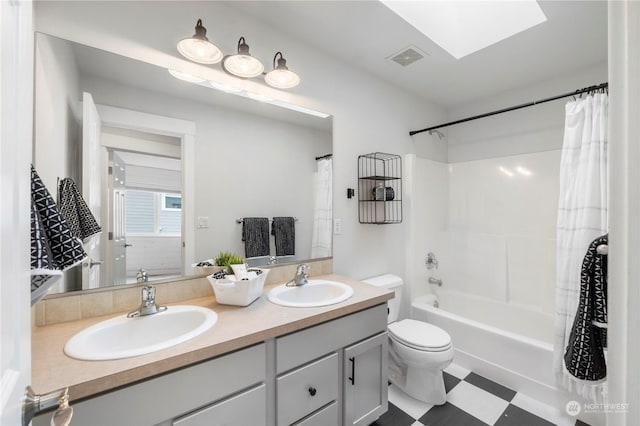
x=391 y=282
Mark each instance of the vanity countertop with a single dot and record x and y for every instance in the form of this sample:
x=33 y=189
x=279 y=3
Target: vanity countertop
x=237 y=327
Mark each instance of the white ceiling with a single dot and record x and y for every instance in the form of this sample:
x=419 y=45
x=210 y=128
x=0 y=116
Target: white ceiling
x=365 y=33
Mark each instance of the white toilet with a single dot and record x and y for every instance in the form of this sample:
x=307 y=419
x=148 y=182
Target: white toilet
x=418 y=352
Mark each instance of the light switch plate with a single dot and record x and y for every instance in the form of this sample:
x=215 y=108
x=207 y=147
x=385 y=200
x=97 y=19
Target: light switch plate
x=337 y=226
x=203 y=221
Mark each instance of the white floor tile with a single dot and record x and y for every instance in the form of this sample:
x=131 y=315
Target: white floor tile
x=477 y=402
x=411 y=406
x=545 y=411
x=457 y=371
x=417 y=424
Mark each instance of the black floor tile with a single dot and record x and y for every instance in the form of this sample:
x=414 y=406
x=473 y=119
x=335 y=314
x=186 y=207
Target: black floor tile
x=449 y=415
x=579 y=423
x=450 y=381
x=394 y=417
x=516 y=416
x=490 y=386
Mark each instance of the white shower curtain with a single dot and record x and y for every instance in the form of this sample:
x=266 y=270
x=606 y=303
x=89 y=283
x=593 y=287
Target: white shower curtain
x=322 y=210
x=582 y=217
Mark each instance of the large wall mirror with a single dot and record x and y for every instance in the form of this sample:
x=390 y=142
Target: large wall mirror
x=174 y=167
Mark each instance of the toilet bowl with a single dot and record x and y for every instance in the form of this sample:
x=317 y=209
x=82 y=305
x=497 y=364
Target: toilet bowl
x=418 y=351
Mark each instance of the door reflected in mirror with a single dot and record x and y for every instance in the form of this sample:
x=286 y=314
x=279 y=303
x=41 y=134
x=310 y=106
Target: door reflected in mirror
x=174 y=196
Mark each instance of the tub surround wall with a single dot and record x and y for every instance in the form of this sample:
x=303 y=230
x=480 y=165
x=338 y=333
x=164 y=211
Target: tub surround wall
x=500 y=238
x=426 y=201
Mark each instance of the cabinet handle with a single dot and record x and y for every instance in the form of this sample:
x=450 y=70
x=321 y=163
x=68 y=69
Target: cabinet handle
x=312 y=391
x=352 y=379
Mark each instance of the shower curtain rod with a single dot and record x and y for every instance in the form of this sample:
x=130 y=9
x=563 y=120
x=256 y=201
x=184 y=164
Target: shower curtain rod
x=324 y=156
x=513 y=108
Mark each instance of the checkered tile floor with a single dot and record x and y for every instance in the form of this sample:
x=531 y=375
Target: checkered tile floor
x=472 y=400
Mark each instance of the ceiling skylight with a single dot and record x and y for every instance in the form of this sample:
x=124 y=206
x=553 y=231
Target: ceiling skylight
x=464 y=27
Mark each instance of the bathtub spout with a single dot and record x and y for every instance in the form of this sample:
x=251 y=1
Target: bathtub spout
x=435 y=281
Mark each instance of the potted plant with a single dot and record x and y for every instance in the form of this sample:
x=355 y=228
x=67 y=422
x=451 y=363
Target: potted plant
x=226 y=259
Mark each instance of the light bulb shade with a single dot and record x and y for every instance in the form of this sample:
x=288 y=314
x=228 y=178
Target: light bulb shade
x=198 y=48
x=243 y=64
x=281 y=77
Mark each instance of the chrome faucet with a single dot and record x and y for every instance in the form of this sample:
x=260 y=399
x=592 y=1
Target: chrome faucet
x=301 y=277
x=148 y=305
x=142 y=276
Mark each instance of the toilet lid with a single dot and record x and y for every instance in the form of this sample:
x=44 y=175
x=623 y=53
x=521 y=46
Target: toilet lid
x=420 y=335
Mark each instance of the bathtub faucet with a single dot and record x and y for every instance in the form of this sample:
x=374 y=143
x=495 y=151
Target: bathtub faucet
x=431 y=261
x=435 y=281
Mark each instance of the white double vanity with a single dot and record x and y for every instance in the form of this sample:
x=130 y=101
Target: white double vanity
x=263 y=364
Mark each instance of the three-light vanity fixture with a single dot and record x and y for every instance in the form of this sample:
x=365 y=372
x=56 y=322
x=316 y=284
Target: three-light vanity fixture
x=198 y=48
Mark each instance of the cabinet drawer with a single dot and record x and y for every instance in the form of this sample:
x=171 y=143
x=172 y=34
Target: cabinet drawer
x=306 y=389
x=327 y=416
x=246 y=409
x=303 y=346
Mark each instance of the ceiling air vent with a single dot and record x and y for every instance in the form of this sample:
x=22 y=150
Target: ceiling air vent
x=407 y=56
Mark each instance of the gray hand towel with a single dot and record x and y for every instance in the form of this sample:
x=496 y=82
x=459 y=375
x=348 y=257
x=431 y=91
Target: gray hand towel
x=255 y=234
x=284 y=231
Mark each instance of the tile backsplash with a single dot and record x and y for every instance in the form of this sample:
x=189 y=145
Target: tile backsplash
x=53 y=310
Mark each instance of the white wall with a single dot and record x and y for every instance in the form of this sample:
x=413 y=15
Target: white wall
x=369 y=115
x=57 y=113
x=246 y=165
x=532 y=129
x=151 y=178
x=156 y=255
x=624 y=273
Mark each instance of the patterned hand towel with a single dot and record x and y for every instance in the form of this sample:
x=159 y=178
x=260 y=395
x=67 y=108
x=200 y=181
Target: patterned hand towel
x=53 y=246
x=73 y=207
x=255 y=234
x=584 y=357
x=284 y=231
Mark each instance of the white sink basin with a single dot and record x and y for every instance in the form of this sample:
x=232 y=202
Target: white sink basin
x=123 y=337
x=315 y=293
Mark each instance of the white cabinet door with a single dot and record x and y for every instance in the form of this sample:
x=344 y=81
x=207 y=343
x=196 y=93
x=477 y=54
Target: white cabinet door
x=365 y=380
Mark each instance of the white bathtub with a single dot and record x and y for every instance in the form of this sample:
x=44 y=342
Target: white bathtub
x=508 y=344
